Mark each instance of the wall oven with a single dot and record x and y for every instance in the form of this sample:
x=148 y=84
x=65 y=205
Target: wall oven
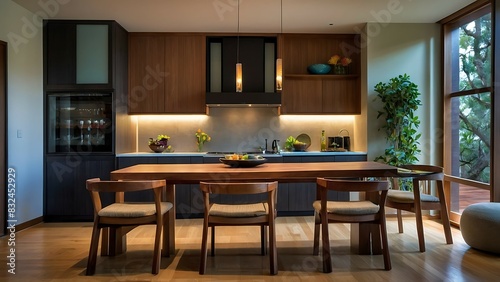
x=79 y=122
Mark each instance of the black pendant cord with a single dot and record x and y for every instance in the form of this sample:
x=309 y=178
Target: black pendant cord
x=238 y=36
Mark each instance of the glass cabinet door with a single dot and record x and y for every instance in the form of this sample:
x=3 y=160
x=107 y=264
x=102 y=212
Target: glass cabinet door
x=79 y=123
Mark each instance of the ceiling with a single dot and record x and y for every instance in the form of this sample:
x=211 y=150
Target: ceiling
x=298 y=16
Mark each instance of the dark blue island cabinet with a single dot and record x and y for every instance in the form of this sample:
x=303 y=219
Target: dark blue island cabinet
x=293 y=198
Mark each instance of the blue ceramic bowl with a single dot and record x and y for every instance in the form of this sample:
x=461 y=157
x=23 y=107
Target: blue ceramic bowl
x=319 y=69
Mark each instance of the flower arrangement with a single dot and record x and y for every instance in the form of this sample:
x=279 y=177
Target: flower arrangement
x=337 y=60
x=159 y=144
x=201 y=138
x=339 y=64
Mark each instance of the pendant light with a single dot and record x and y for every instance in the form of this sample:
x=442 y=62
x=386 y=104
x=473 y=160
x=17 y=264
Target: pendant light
x=279 y=66
x=239 y=71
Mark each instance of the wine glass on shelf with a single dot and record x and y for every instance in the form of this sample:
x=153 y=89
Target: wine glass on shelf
x=81 y=131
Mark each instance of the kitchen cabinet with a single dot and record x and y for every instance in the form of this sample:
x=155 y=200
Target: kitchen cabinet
x=305 y=93
x=66 y=197
x=167 y=73
x=82 y=55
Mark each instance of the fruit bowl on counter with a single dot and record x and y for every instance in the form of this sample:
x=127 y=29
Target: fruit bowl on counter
x=247 y=160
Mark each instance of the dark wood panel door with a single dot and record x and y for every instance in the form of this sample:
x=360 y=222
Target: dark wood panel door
x=66 y=198
x=185 y=78
x=147 y=73
x=60 y=53
x=301 y=96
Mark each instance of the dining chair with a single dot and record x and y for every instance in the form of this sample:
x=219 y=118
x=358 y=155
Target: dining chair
x=417 y=200
x=256 y=213
x=127 y=216
x=370 y=210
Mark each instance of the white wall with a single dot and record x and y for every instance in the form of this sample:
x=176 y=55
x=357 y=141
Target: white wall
x=414 y=49
x=25 y=106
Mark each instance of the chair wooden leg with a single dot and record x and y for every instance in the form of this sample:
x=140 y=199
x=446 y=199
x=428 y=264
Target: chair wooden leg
x=273 y=253
x=94 y=242
x=212 y=241
x=263 y=240
x=400 y=220
x=385 y=245
x=204 y=251
x=317 y=224
x=165 y=251
x=156 y=252
x=444 y=213
x=327 y=259
x=418 y=216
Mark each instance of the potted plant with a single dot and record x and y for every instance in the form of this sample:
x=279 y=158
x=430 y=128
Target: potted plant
x=400 y=100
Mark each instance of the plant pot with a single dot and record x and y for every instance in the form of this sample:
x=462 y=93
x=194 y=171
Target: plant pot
x=340 y=69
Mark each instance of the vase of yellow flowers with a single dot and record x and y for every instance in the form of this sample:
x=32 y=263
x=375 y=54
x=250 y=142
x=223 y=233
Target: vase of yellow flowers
x=340 y=65
x=201 y=138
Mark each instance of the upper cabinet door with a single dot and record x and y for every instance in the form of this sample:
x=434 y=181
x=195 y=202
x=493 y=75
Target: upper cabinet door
x=167 y=73
x=77 y=55
x=185 y=79
x=147 y=74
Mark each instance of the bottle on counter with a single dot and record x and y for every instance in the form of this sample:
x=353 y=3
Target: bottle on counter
x=323 y=141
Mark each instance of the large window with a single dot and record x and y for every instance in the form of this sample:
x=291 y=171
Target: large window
x=468 y=93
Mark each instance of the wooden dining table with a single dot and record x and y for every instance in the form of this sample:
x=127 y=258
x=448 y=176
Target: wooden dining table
x=281 y=172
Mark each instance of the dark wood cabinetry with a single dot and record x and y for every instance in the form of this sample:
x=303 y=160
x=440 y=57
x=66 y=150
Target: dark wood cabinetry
x=67 y=198
x=305 y=93
x=82 y=58
x=166 y=73
x=82 y=55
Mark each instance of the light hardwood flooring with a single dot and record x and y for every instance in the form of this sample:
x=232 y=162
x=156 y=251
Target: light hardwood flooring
x=58 y=252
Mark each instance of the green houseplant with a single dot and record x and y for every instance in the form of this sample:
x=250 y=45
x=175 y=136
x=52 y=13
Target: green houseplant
x=400 y=101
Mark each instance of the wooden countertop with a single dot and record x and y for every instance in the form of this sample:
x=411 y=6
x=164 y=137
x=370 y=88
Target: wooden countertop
x=284 y=172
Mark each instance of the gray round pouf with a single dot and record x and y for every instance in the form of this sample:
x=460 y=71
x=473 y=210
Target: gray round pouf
x=480 y=226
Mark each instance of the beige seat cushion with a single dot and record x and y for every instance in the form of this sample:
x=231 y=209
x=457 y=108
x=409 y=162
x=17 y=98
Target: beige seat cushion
x=348 y=208
x=399 y=196
x=244 y=210
x=133 y=209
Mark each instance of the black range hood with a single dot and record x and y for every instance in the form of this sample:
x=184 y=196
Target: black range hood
x=257 y=55
x=243 y=99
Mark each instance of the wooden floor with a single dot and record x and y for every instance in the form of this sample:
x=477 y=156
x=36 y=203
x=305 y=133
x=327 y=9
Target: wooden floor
x=58 y=252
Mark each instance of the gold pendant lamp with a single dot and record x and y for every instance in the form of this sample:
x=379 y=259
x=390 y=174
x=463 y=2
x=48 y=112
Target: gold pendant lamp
x=239 y=71
x=279 y=63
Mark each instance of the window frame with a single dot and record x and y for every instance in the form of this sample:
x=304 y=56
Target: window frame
x=450 y=24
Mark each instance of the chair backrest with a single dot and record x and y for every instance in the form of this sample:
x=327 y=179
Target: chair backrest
x=352 y=185
x=379 y=188
x=437 y=172
x=96 y=186
x=238 y=188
